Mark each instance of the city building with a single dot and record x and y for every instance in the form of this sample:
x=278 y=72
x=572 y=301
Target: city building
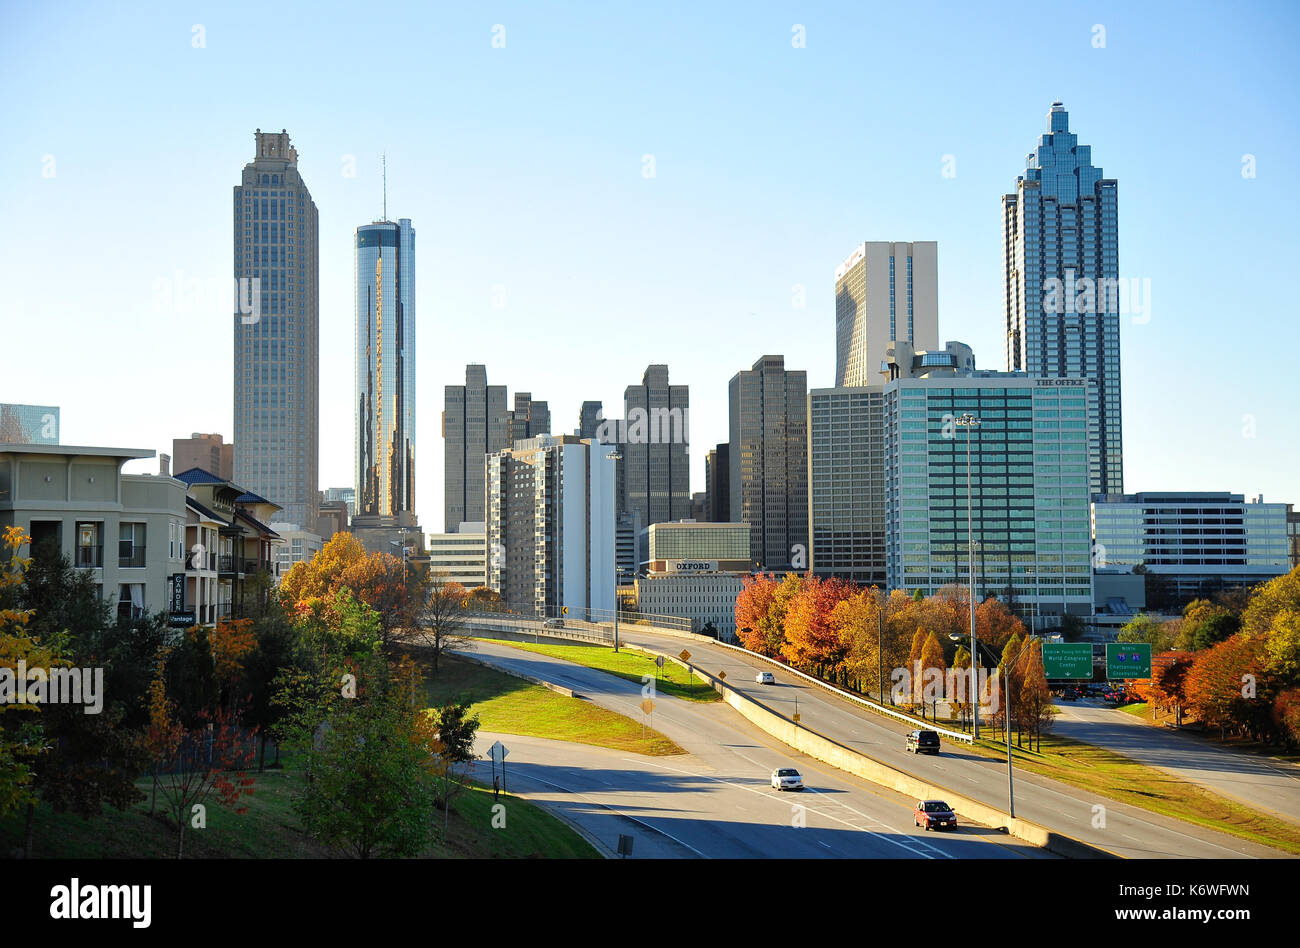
x=846 y=483
x=717 y=483
x=277 y=331
x=474 y=425
x=333 y=518
x=550 y=526
x=1028 y=467
x=1190 y=544
x=29 y=424
x=460 y=557
x=653 y=439
x=589 y=418
x=207 y=451
x=695 y=571
x=700 y=506
x=1293 y=534
x=385 y=422
x=298 y=546
x=528 y=419
x=884 y=291
x=125 y=530
x=768 y=461
x=1061 y=289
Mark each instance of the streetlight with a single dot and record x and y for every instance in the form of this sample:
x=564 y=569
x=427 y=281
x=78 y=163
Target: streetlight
x=1006 y=691
x=969 y=421
x=615 y=456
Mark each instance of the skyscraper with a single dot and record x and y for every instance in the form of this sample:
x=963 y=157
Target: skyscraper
x=717 y=483
x=768 y=461
x=883 y=291
x=655 y=441
x=385 y=380
x=474 y=425
x=1061 y=284
x=528 y=419
x=276 y=332
x=588 y=419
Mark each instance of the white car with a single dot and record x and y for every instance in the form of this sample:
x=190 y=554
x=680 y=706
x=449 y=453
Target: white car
x=786 y=778
x=765 y=678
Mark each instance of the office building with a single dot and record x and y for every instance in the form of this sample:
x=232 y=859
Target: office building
x=550 y=526
x=717 y=483
x=298 y=546
x=276 y=331
x=474 y=425
x=347 y=495
x=589 y=418
x=460 y=557
x=1191 y=543
x=846 y=483
x=884 y=291
x=29 y=424
x=654 y=440
x=528 y=419
x=385 y=422
x=768 y=461
x=207 y=451
x=1061 y=289
x=1029 y=470
x=695 y=571
x=1293 y=534
x=333 y=518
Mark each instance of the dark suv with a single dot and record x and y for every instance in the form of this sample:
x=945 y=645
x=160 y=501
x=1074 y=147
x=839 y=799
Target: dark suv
x=927 y=742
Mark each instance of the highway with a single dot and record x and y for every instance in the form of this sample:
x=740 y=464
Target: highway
x=1117 y=827
x=715 y=801
x=1269 y=785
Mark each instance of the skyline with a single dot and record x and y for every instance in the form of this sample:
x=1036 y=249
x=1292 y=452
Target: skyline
x=554 y=218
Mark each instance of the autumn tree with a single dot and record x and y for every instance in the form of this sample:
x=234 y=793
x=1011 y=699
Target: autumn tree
x=1159 y=634
x=1226 y=686
x=1205 y=624
x=995 y=623
x=1033 y=700
x=756 y=628
x=1165 y=690
x=440 y=620
x=1267 y=601
x=966 y=698
x=932 y=669
x=811 y=638
x=1286 y=715
x=913 y=677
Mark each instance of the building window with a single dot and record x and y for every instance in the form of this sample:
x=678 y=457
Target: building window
x=90 y=544
x=130 y=546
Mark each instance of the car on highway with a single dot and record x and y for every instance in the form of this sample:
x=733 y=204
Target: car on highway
x=923 y=742
x=553 y=624
x=934 y=814
x=786 y=778
x=765 y=678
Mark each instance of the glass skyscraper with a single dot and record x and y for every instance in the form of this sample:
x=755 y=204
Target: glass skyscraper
x=884 y=291
x=1061 y=284
x=385 y=375
x=277 y=332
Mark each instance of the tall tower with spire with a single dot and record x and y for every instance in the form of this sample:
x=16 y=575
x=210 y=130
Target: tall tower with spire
x=1060 y=284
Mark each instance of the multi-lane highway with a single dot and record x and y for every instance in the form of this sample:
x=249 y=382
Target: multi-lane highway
x=716 y=800
x=1101 y=821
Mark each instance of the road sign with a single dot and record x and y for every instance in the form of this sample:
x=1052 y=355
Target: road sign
x=1128 y=660
x=647 y=705
x=659 y=660
x=1067 y=660
x=685 y=656
x=498 y=752
x=564 y=610
x=624 y=845
x=722 y=676
x=796 y=717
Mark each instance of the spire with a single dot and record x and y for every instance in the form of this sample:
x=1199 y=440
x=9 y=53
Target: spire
x=385 y=217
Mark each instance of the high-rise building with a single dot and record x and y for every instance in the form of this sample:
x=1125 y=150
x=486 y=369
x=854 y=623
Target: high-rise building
x=475 y=423
x=589 y=418
x=276 y=332
x=460 y=557
x=654 y=440
x=768 y=461
x=695 y=571
x=846 y=483
x=884 y=291
x=717 y=483
x=551 y=526
x=1028 y=467
x=206 y=451
x=385 y=424
x=1061 y=288
x=528 y=419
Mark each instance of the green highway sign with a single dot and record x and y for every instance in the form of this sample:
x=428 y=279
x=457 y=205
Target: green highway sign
x=1128 y=660
x=1067 y=660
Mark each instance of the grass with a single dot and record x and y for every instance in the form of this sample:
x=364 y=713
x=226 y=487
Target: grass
x=269 y=829
x=512 y=705
x=1113 y=775
x=672 y=679
x=1138 y=709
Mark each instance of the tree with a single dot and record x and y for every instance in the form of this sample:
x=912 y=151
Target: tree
x=965 y=701
x=1159 y=634
x=454 y=744
x=1226 y=687
x=995 y=623
x=811 y=638
x=440 y=620
x=932 y=669
x=1205 y=624
x=914 y=669
x=1033 y=698
x=1274 y=597
x=1166 y=688
x=1282 y=645
x=485 y=599
x=1286 y=715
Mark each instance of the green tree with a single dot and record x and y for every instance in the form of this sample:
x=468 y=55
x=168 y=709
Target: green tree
x=1157 y=633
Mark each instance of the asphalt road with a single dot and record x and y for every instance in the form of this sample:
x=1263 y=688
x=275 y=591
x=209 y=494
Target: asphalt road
x=716 y=800
x=1268 y=785
x=1101 y=821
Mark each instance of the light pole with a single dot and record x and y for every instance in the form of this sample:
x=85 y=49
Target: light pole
x=880 y=644
x=1006 y=705
x=969 y=421
x=615 y=457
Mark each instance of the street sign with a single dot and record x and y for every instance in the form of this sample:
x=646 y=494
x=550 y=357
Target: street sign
x=722 y=676
x=659 y=660
x=796 y=717
x=498 y=752
x=685 y=656
x=1128 y=660
x=1067 y=660
x=564 y=611
x=647 y=705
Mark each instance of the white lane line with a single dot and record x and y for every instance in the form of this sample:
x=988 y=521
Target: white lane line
x=820 y=843
x=867 y=816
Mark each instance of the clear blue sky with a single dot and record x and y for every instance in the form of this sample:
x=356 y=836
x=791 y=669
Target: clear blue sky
x=521 y=168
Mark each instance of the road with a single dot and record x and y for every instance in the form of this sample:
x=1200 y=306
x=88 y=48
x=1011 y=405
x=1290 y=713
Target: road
x=715 y=801
x=1260 y=782
x=1117 y=827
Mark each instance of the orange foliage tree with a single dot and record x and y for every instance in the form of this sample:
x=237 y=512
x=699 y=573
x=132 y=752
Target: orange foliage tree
x=811 y=638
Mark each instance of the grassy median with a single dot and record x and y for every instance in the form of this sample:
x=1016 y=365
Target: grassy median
x=672 y=679
x=512 y=705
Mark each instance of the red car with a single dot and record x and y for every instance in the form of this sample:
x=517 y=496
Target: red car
x=934 y=814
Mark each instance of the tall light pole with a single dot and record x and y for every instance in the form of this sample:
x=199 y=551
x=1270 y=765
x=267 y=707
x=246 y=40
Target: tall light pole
x=615 y=456
x=969 y=421
x=1006 y=692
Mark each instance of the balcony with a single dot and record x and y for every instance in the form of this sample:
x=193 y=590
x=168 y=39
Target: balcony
x=90 y=557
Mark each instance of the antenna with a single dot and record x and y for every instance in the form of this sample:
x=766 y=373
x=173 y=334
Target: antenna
x=385 y=185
